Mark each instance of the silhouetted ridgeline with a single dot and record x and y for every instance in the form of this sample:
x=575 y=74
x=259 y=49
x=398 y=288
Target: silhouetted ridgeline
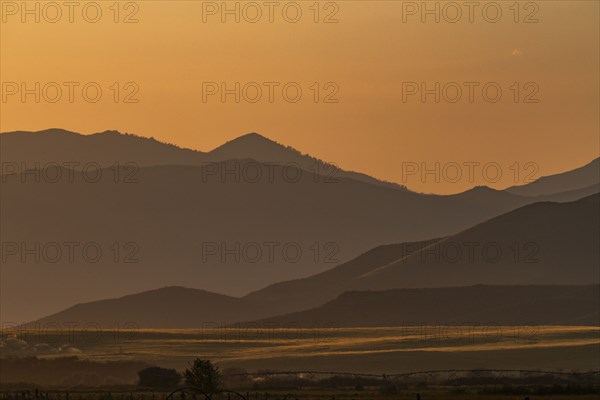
x=475 y=305
x=539 y=244
x=571 y=180
x=152 y=224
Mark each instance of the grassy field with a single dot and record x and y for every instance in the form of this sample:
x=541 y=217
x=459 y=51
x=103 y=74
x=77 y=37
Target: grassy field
x=368 y=350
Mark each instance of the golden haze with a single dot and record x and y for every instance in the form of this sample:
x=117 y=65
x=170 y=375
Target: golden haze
x=368 y=54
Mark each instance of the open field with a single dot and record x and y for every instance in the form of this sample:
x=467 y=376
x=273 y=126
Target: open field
x=364 y=350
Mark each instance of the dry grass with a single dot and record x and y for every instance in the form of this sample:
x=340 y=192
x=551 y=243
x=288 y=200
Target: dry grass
x=365 y=350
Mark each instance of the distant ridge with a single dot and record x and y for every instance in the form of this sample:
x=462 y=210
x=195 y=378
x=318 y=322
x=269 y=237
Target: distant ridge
x=541 y=243
x=184 y=308
x=167 y=307
x=172 y=209
x=104 y=148
x=301 y=294
x=455 y=306
x=585 y=176
x=386 y=286
x=110 y=147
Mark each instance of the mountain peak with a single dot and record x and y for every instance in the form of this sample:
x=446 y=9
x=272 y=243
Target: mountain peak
x=252 y=138
x=482 y=189
x=252 y=145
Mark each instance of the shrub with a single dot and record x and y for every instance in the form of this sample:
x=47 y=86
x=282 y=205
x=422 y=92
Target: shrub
x=160 y=378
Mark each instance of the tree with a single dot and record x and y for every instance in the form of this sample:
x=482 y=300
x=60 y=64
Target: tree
x=203 y=375
x=160 y=378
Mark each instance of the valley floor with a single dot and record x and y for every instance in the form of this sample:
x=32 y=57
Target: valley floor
x=358 y=350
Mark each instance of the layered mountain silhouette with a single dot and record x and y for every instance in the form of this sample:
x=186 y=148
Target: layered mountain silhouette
x=158 y=227
x=491 y=306
x=301 y=294
x=447 y=290
x=169 y=307
x=586 y=176
x=112 y=147
x=232 y=226
x=184 y=308
x=105 y=148
x=542 y=243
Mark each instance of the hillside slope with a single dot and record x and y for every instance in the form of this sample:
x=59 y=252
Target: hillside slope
x=473 y=305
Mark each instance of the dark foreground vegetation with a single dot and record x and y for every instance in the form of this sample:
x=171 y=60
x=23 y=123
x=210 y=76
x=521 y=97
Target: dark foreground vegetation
x=68 y=372
x=70 y=378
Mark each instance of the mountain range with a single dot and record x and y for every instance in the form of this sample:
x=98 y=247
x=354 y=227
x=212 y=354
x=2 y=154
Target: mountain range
x=540 y=287
x=492 y=306
x=568 y=181
x=185 y=219
x=112 y=147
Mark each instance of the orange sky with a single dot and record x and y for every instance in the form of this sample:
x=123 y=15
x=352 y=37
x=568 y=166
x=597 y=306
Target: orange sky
x=369 y=55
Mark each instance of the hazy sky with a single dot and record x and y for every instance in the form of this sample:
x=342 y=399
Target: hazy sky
x=370 y=60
